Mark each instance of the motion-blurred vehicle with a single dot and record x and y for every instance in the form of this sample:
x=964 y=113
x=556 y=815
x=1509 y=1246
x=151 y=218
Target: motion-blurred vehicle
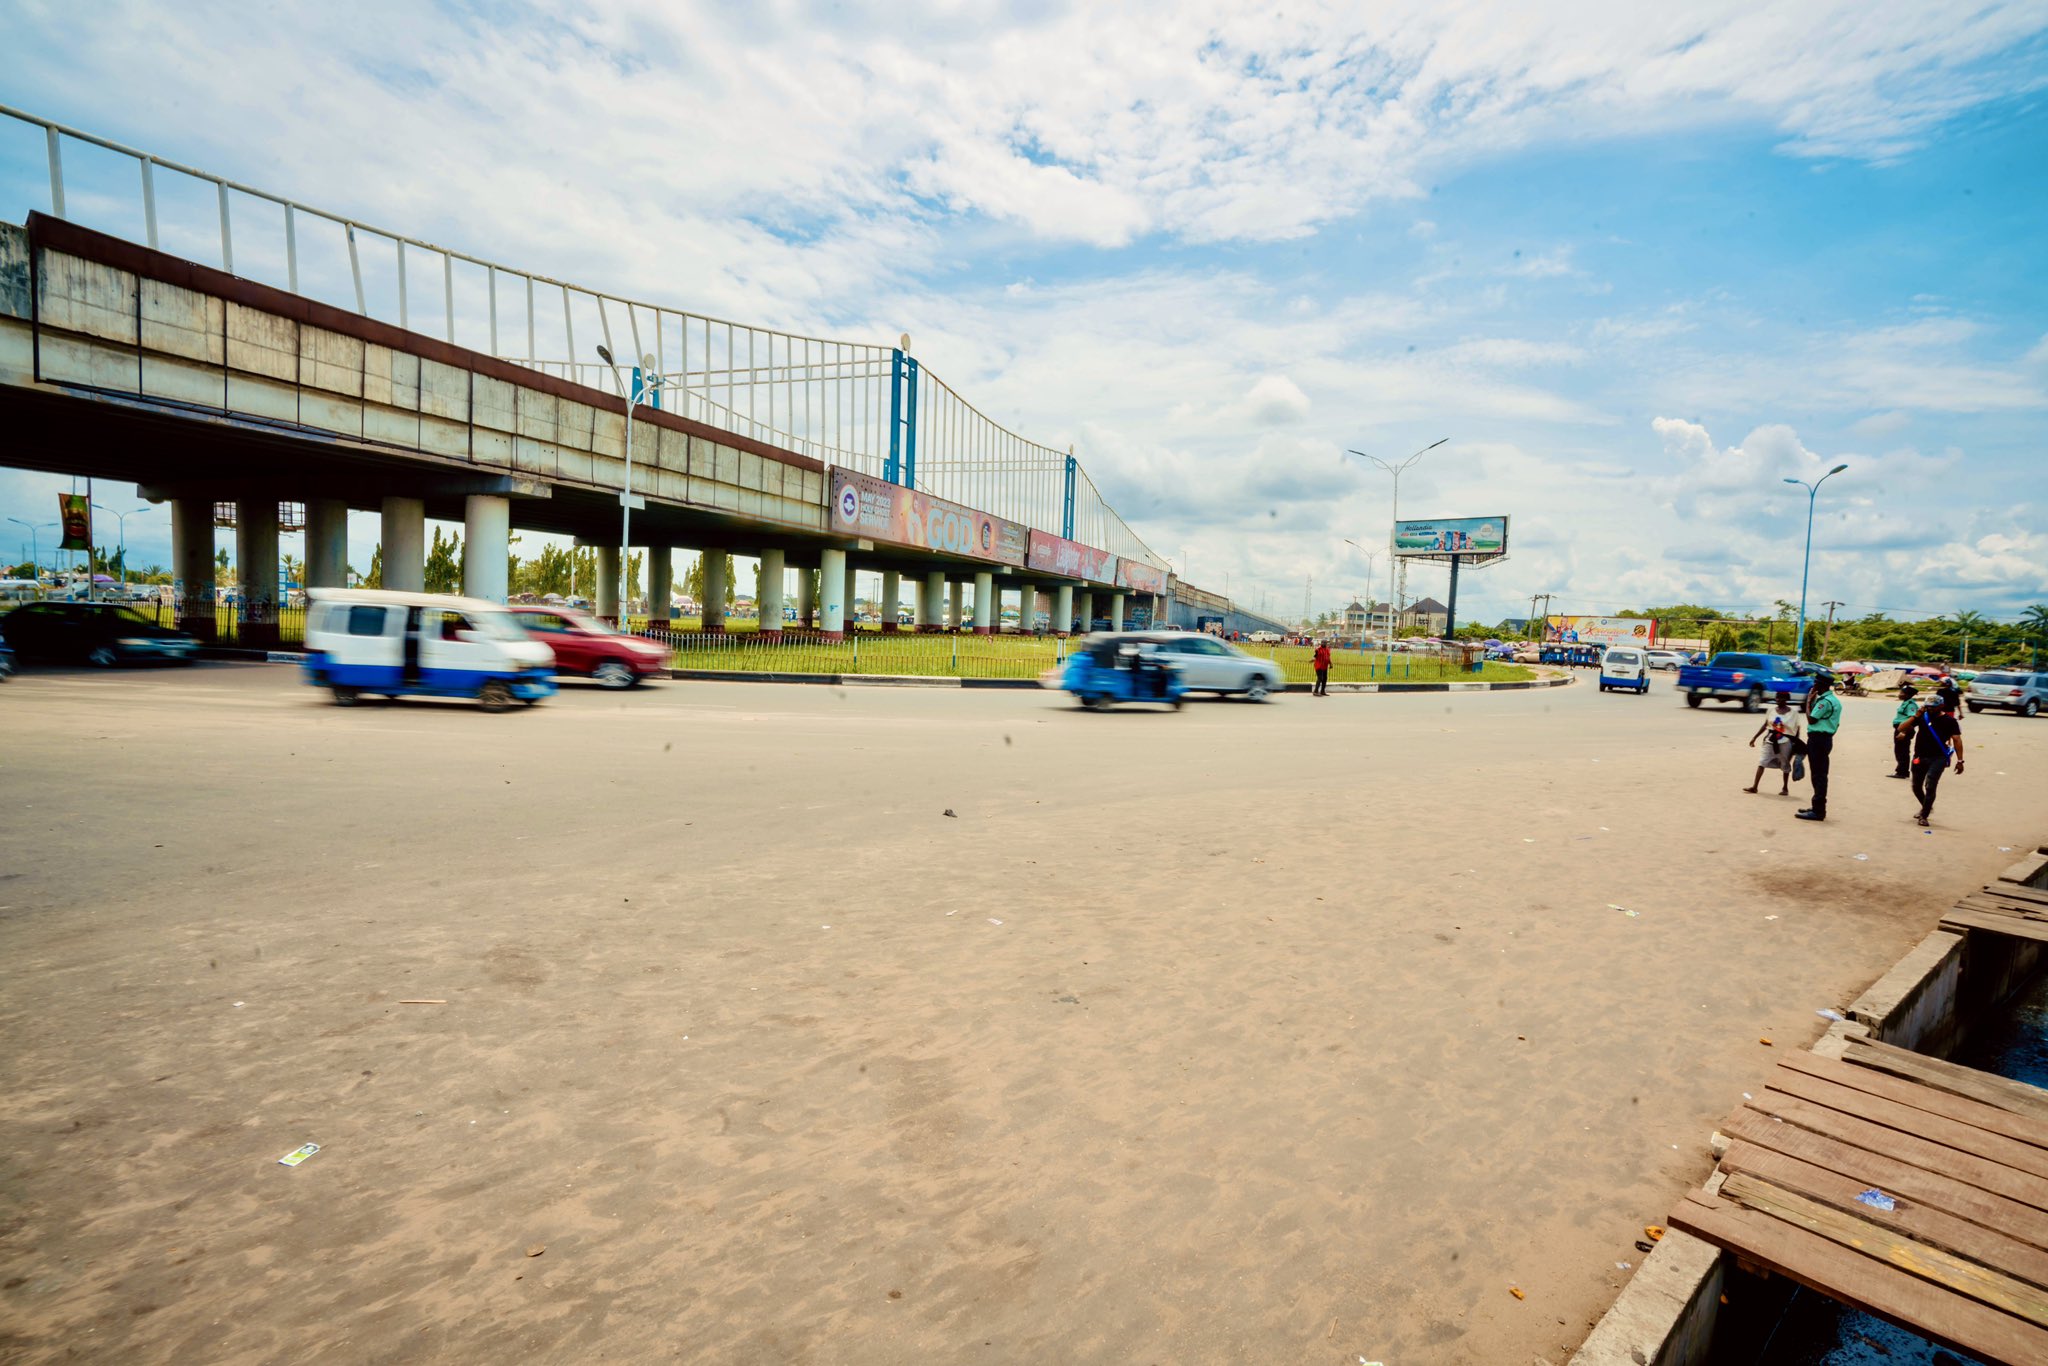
x=590 y=648
x=1624 y=668
x=1211 y=665
x=1120 y=666
x=1664 y=659
x=389 y=644
x=6 y=660
x=2008 y=690
x=1733 y=676
x=99 y=633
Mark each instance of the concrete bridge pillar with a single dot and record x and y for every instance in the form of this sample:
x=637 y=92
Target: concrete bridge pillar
x=661 y=572
x=849 y=613
x=326 y=543
x=1116 y=611
x=931 y=603
x=606 y=595
x=1063 y=610
x=486 y=547
x=806 y=604
x=713 y=606
x=892 y=593
x=1027 y=608
x=768 y=593
x=256 y=570
x=984 y=603
x=1087 y=614
x=405 y=545
x=835 y=579
x=953 y=609
x=192 y=564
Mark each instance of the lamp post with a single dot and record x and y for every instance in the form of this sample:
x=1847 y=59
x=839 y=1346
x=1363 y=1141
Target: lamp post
x=1395 y=470
x=1371 y=557
x=121 y=518
x=641 y=387
x=35 y=549
x=1806 y=564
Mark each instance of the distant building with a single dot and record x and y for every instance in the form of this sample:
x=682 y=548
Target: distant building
x=1428 y=616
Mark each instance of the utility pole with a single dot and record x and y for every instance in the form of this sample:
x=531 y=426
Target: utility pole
x=1308 y=597
x=1828 y=634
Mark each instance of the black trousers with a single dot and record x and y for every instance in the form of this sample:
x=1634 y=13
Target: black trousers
x=1926 y=778
x=1820 y=751
x=1902 y=755
x=1322 y=682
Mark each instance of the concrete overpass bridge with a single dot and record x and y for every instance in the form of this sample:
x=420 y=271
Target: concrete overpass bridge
x=395 y=376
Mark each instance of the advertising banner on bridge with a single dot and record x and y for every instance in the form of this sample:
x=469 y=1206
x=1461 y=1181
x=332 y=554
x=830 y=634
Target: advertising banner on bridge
x=882 y=511
x=74 y=514
x=1601 y=630
x=1140 y=577
x=1054 y=555
x=1462 y=537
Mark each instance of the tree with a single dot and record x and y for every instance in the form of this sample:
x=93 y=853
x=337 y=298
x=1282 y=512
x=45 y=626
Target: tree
x=444 y=563
x=693 y=578
x=548 y=572
x=374 y=578
x=2034 y=621
x=294 y=569
x=153 y=573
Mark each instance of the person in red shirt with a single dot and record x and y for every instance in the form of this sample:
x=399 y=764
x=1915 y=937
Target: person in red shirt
x=1322 y=669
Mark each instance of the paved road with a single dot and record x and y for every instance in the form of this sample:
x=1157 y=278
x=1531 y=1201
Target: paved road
x=1297 y=1032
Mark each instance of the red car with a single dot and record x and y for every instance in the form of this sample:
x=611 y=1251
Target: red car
x=588 y=647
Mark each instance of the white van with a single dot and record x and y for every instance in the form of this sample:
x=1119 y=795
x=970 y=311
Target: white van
x=388 y=644
x=1624 y=666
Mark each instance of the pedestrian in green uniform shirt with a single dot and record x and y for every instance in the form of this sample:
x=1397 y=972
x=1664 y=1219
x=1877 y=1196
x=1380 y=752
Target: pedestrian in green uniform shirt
x=1902 y=736
x=1823 y=716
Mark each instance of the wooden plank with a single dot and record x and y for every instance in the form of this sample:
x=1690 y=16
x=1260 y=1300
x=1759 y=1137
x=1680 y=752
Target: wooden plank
x=1911 y=1149
x=1962 y=1138
x=2018 y=891
x=2012 y=1139
x=1917 y=1220
x=1862 y=1282
x=1938 y=1189
x=1956 y=1079
x=1959 y=921
x=1932 y=1264
x=1982 y=901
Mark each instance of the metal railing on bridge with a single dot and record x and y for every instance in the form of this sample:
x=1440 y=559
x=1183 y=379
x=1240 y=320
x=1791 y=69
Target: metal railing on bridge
x=857 y=405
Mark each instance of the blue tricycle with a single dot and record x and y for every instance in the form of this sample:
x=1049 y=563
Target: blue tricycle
x=1121 y=667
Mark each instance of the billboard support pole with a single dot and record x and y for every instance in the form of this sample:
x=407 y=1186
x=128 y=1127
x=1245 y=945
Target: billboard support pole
x=1451 y=614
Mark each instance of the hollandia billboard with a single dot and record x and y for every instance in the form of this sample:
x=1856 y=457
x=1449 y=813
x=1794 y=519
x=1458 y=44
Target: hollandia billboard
x=1052 y=554
x=879 y=510
x=1461 y=536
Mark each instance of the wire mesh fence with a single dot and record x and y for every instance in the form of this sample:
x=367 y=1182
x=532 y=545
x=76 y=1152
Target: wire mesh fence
x=884 y=653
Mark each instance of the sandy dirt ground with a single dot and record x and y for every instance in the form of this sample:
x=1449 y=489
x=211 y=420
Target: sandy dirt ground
x=799 y=1024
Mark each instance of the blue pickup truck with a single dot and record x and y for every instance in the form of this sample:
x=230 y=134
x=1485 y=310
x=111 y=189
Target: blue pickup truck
x=1749 y=679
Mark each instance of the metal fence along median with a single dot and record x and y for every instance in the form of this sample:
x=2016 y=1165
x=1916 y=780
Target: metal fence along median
x=866 y=652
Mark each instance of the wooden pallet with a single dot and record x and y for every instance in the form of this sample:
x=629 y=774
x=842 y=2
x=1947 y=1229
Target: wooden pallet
x=2002 y=908
x=1962 y=1255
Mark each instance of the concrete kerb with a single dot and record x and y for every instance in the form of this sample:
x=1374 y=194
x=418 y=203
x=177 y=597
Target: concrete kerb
x=1558 y=681
x=1665 y=1315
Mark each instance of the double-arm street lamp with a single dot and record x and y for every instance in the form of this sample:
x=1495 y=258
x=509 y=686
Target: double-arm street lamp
x=1806 y=564
x=1371 y=559
x=645 y=383
x=122 y=519
x=35 y=549
x=1395 y=470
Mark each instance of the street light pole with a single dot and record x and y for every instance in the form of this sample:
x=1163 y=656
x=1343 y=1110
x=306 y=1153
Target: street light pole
x=1806 y=564
x=122 y=519
x=35 y=549
x=1392 y=556
x=639 y=389
x=1371 y=558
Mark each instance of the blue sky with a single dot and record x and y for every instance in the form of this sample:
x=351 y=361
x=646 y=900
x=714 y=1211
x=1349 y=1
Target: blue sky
x=1638 y=268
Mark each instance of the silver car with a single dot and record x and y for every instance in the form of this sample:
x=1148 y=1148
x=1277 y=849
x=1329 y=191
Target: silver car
x=1211 y=665
x=2025 y=693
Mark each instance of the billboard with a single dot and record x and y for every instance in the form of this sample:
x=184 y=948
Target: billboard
x=1600 y=630
x=1052 y=554
x=882 y=511
x=1447 y=537
x=1140 y=577
x=76 y=518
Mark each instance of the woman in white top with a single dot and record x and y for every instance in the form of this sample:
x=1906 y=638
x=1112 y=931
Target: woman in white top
x=1780 y=734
